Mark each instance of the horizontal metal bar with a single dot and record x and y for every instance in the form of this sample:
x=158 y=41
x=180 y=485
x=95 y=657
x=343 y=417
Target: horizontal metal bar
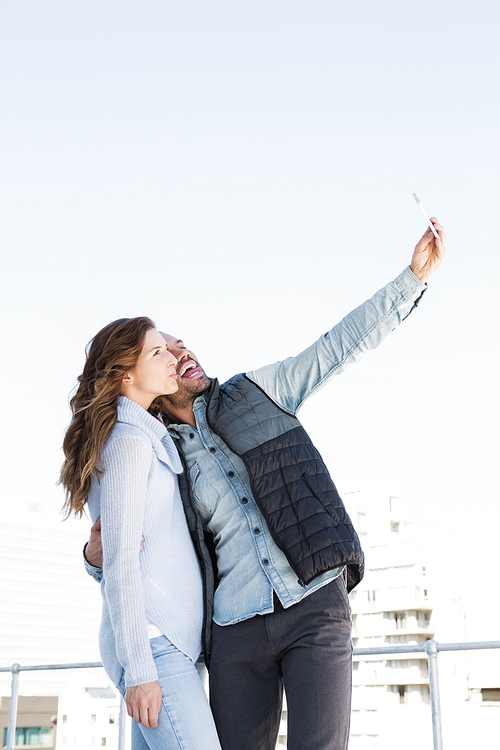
x=375 y=650
x=372 y=651
x=467 y=646
x=42 y=667
x=420 y=648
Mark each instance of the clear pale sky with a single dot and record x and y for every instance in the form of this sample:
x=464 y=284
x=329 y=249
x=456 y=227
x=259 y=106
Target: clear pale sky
x=242 y=173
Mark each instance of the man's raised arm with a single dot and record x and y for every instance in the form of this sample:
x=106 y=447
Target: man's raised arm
x=294 y=379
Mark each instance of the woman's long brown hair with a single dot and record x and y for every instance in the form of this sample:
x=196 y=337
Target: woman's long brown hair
x=112 y=353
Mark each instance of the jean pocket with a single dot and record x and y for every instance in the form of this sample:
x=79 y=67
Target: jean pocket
x=338 y=590
x=160 y=646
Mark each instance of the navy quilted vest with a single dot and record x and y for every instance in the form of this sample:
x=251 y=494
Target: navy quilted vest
x=290 y=482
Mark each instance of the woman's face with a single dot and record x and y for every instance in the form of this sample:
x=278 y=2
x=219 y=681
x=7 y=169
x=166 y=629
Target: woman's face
x=154 y=374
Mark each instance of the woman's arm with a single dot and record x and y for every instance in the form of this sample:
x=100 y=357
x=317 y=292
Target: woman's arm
x=127 y=461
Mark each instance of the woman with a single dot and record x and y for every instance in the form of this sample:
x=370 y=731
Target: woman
x=122 y=462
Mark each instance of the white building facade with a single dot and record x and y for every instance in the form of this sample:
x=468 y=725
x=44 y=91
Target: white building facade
x=50 y=614
x=410 y=594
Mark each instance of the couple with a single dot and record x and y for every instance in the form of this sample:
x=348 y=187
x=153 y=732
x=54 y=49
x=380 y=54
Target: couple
x=262 y=515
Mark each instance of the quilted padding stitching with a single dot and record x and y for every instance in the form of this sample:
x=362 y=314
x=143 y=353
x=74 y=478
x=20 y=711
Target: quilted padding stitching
x=247 y=411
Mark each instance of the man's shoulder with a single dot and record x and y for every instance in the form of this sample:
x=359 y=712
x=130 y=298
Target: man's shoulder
x=233 y=381
x=243 y=382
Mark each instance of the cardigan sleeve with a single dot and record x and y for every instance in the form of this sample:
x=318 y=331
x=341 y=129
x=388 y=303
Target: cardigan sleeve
x=126 y=463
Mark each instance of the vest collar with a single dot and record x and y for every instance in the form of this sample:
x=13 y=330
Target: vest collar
x=213 y=396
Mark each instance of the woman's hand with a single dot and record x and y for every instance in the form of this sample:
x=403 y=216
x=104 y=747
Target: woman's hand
x=144 y=703
x=428 y=253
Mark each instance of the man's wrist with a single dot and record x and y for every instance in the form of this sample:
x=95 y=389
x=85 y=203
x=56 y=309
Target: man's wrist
x=419 y=273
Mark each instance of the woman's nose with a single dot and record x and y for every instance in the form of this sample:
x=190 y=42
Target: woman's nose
x=171 y=360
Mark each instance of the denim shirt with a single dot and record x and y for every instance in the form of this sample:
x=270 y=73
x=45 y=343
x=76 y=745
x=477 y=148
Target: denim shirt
x=250 y=564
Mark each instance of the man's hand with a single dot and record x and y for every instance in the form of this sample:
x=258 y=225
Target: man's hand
x=144 y=703
x=428 y=253
x=93 y=548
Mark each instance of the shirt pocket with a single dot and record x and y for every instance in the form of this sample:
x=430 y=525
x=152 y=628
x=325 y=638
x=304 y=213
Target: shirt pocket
x=203 y=491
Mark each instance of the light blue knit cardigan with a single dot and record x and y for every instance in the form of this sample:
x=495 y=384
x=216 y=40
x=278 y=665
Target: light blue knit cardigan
x=138 y=495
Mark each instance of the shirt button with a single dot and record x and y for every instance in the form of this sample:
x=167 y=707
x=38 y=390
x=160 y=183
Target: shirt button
x=265 y=561
x=191 y=435
x=244 y=500
x=256 y=531
x=212 y=449
x=230 y=474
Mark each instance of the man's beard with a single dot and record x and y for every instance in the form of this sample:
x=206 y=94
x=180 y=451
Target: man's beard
x=187 y=393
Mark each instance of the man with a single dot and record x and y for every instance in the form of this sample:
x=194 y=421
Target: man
x=286 y=552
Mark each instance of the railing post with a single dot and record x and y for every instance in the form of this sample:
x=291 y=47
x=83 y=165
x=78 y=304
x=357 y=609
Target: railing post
x=14 y=694
x=122 y=724
x=432 y=657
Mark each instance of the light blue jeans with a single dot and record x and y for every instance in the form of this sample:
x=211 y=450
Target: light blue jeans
x=185 y=721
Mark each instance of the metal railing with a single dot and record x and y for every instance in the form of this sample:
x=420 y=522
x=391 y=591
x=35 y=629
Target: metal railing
x=431 y=648
x=15 y=669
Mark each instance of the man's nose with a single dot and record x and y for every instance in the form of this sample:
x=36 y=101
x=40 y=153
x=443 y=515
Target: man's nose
x=181 y=354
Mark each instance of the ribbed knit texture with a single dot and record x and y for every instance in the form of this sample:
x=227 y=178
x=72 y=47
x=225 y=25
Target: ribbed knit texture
x=138 y=495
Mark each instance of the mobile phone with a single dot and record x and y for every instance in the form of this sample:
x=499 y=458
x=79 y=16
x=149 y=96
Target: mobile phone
x=429 y=222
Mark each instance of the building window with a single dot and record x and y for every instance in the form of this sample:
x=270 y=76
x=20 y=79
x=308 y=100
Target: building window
x=393 y=504
x=395 y=527
x=423 y=618
x=490 y=694
x=103 y=741
x=93 y=718
x=426 y=595
x=399 y=620
x=65 y=718
x=25 y=736
x=92 y=742
x=362 y=523
x=111 y=718
x=371 y=595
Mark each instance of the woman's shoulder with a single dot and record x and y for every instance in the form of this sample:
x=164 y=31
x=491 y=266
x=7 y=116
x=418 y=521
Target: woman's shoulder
x=128 y=438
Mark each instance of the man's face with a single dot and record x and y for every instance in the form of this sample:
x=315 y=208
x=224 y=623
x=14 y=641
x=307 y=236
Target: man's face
x=191 y=377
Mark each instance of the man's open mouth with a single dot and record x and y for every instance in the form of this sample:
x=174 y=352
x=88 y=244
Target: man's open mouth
x=190 y=370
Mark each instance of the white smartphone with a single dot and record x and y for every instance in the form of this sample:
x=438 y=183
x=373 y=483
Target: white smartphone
x=429 y=222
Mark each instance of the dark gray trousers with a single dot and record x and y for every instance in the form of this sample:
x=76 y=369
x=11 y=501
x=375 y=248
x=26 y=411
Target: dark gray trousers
x=306 y=650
